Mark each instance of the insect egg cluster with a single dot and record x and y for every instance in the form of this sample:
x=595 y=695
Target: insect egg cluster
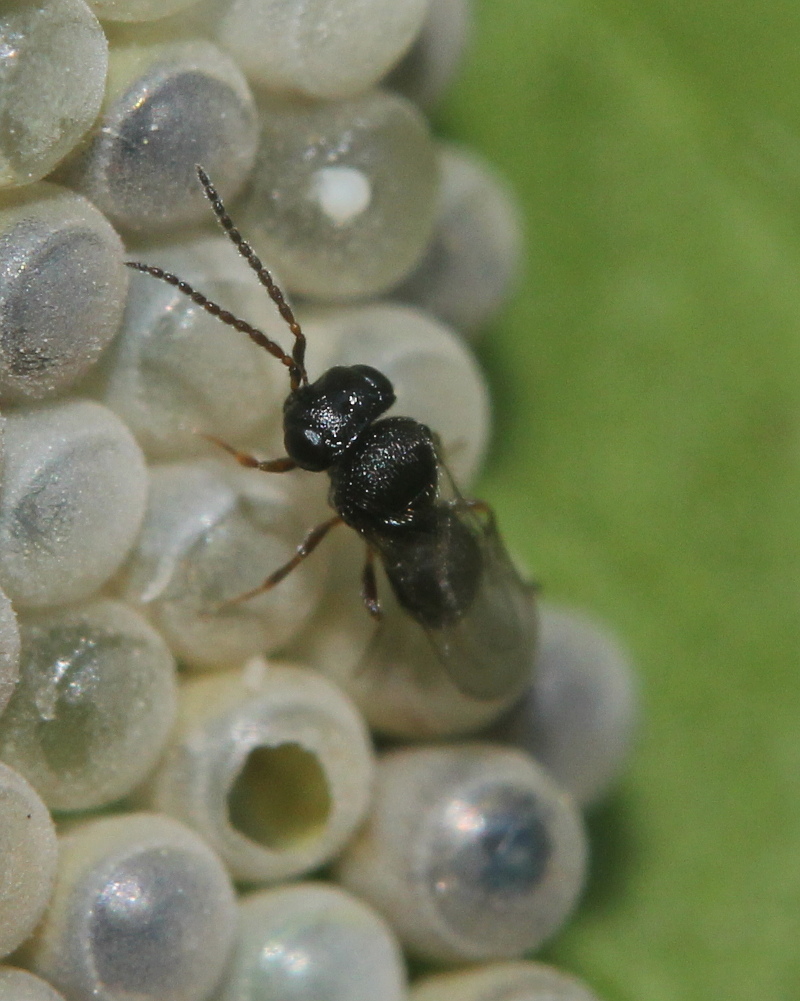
x=192 y=805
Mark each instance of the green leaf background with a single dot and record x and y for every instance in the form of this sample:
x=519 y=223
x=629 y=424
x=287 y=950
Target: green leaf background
x=647 y=451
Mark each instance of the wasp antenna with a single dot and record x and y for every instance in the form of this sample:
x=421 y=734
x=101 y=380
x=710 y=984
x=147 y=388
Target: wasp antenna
x=263 y=275
x=256 y=335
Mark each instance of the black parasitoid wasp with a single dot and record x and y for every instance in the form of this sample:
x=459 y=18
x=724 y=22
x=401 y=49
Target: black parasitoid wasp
x=442 y=555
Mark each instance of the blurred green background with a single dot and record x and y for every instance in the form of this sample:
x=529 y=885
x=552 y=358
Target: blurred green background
x=647 y=449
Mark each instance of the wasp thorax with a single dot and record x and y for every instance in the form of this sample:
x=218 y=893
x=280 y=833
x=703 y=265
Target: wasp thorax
x=322 y=420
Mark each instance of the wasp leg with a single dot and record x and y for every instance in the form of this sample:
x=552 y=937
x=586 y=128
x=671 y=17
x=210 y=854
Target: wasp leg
x=369 y=586
x=306 y=548
x=250 y=461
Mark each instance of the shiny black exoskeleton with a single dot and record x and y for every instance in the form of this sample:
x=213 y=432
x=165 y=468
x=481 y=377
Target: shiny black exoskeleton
x=384 y=483
x=442 y=557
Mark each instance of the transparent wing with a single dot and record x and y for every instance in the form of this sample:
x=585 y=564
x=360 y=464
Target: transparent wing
x=489 y=650
x=459 y=596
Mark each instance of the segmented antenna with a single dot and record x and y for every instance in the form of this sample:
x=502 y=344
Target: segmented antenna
x=247 y=252
x=294 y=362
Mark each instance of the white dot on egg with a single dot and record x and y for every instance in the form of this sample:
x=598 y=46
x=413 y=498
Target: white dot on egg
x=343 y=193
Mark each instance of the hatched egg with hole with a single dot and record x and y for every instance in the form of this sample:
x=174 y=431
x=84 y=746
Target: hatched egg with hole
x=343 y=205
x=271 y=764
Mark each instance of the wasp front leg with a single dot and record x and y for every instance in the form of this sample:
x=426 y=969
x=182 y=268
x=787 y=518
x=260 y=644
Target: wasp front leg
x=250 y=461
